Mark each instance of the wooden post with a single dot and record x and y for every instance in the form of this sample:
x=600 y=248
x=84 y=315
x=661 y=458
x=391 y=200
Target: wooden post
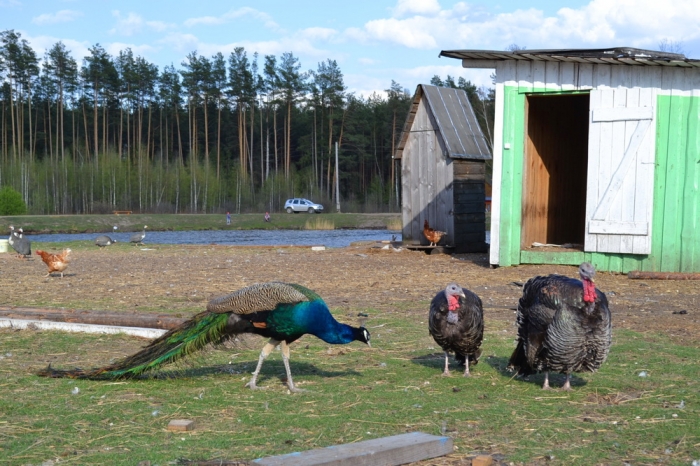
x=337 y=180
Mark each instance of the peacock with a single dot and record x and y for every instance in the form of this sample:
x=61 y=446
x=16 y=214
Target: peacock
x=564 y=325
x=282 y=312
x=456 y=322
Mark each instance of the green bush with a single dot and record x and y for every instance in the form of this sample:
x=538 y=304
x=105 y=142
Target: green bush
x=11 y=202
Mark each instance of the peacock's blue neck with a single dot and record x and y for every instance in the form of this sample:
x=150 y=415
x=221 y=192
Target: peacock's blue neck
x=315 y=318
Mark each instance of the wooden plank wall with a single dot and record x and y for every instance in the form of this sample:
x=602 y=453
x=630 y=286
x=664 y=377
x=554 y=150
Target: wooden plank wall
x=676 y=207
x=426 y=181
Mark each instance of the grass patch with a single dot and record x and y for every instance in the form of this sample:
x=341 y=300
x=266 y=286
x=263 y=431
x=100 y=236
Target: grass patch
x=319 y=224
x=394 y=224
x=355 y=393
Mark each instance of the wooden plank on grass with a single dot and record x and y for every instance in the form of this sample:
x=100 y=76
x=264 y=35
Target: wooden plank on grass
x=183 y=425
x=124 y=319
x=388 y=451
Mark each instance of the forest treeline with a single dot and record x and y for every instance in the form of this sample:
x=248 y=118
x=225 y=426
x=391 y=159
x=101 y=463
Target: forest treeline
x=240 y=133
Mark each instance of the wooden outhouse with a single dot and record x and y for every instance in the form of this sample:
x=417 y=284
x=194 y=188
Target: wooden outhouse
x=598 y=153
x=443 y=152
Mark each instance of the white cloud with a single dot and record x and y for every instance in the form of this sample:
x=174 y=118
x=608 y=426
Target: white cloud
x=300 y=45
x=143 y=50
x=423 y=74
x=233 y=15
x=366 y=84
x=183 y=43
x=62 y=16
x=41 y=44
x=408 y=33
x=133 y=23
x=318 y=33
x=367 y=61
x=416 y=7
x=600 y=23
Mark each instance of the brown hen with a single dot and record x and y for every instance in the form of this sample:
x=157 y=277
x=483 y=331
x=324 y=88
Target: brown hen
x=56 y=262
x=434 y=236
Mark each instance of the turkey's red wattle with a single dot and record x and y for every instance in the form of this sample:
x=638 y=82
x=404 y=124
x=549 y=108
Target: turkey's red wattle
x=588 y=291
x=452 y=302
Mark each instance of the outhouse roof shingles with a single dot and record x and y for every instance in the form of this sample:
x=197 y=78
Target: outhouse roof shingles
x=455 y=122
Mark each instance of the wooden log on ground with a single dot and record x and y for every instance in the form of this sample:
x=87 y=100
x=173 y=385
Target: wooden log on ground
x=638 y=274
x=387 y=451
x=78 y=327
x=158 y=321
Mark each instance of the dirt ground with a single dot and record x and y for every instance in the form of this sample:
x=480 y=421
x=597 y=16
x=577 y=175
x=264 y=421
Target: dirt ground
x=179 y=280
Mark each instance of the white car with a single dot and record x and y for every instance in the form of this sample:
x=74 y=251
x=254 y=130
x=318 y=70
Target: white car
x=299 y=204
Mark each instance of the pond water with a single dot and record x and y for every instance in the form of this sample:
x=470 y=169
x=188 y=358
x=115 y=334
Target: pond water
x=328 y=238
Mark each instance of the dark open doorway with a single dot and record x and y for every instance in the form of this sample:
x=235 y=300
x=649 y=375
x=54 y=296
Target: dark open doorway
x=555 y=168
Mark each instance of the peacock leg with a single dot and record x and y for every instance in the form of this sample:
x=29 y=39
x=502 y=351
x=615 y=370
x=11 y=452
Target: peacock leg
x=446 y=372
x=545 y=385
x=567 y=383
x=285 y=360
x=267 y=349
x=466 y=367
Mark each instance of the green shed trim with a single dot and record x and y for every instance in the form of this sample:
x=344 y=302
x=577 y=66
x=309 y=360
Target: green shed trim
x=676 y=206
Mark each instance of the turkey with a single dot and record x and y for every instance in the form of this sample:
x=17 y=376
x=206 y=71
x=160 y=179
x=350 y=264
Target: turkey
x=20 y=243
x=104 y=240
x=564 y=325
x=282 y=312
x=456 y=323
x=137 y=238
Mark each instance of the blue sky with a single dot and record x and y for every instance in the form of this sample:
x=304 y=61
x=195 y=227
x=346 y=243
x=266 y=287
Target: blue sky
x=372 y=41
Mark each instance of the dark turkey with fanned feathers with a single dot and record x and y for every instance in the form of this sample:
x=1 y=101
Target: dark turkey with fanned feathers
x=456 y=322
x=564 y=325
x=282 y=312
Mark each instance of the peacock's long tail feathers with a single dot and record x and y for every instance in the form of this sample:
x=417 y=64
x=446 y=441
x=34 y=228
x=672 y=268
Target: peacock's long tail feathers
x=204 y=328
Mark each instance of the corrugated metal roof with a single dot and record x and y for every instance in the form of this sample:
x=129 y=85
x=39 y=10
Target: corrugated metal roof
x=455 y=122
x=612 y=56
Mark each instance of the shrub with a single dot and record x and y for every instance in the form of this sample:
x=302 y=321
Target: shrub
x=11 y=202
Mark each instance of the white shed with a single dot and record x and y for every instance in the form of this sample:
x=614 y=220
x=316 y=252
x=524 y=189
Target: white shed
x=597 y=151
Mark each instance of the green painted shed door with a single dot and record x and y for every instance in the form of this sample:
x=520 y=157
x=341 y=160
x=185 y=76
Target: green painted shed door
x=620 y=171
